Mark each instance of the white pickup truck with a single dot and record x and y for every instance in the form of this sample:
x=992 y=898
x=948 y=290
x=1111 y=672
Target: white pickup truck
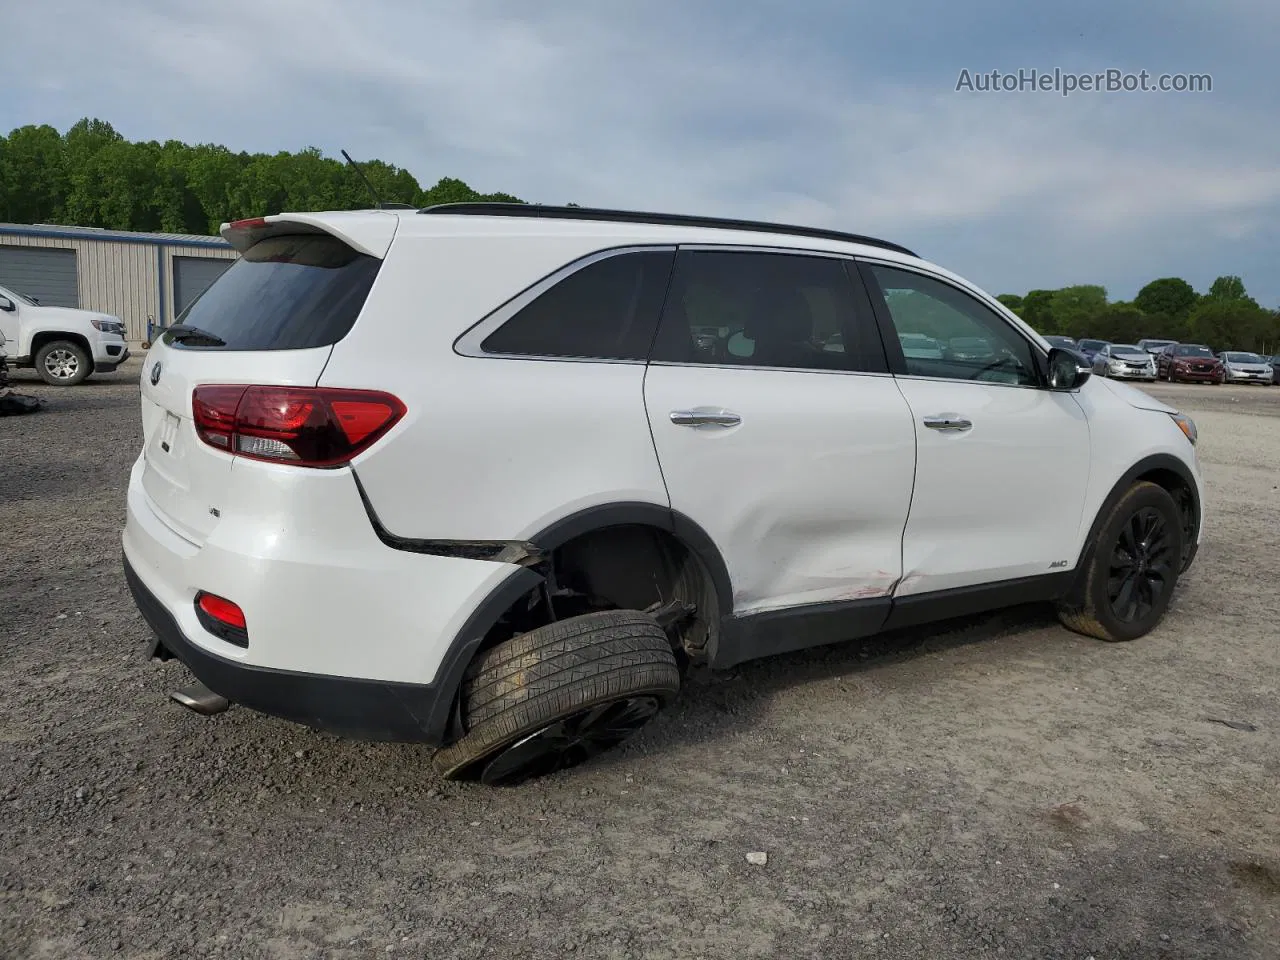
x=63 y=344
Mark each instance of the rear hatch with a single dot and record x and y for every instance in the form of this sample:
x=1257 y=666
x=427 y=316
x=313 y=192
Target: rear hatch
x=270 y=319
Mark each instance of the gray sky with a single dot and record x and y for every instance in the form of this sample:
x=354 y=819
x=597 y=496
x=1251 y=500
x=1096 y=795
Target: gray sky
x=819 y=111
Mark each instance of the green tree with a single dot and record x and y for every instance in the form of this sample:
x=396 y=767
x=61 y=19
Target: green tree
x=1227 y=288
x=1169 y=297
x=33 y=176
x=1231 y=324
x=1075 y=308
x=93 y=176
x=1012 y=301
x=1119 y=323
x=1037 y=310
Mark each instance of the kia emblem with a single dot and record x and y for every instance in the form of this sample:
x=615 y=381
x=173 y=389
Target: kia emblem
x=155 y=373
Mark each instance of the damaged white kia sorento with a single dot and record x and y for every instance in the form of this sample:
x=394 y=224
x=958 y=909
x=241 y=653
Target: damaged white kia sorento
x=491 y=477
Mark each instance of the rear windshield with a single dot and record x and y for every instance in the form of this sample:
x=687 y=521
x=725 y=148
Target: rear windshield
x=285 y=293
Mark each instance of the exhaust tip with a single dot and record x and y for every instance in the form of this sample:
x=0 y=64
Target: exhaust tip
x=200 y=699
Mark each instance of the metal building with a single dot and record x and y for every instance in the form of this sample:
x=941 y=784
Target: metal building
x=138 y=277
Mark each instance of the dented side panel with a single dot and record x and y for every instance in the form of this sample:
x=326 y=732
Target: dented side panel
x=807 y=497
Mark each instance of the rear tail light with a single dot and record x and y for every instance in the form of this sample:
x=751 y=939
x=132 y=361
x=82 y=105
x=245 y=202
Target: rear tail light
x=304 y=426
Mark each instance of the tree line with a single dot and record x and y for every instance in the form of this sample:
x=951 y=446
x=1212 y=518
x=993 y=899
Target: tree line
x=1223 y=318
x=91 y=176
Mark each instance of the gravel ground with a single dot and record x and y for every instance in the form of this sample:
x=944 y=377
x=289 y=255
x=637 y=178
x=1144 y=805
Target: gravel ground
x=997 y=787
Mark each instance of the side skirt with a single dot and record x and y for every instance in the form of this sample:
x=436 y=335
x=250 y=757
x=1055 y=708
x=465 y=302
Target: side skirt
x=772 y=632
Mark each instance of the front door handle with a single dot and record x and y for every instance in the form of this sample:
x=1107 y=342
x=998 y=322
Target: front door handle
x=704 y=416
x=949 y=422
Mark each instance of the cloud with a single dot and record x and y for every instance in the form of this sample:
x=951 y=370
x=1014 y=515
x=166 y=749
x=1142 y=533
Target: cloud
x=817 y=113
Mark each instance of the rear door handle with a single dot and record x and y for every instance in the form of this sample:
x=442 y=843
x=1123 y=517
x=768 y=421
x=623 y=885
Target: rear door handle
x=948 y=422
x=705 y=416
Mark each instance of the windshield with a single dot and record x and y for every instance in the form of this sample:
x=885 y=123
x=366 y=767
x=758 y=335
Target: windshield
x=1193 y=351
x=1243 y=358
x=1092 y=344
x=1128 y=351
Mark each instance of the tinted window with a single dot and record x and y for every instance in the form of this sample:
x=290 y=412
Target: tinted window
x=286 y=293
x=766 y=310
x=977 y=344
x=607 y=310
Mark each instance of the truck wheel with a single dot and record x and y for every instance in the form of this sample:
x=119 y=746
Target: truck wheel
x=63 y=363
x=1130 y=570
x=555 y=697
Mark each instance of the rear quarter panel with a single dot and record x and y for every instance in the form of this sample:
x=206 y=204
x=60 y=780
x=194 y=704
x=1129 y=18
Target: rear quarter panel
x=489 y=448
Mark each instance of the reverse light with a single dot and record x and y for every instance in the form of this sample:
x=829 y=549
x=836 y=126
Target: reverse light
x=1187 y=426
x=303 y=426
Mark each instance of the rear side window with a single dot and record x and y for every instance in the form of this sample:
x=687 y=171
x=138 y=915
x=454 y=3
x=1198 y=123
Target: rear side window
x=607 y=310
x=285 y=293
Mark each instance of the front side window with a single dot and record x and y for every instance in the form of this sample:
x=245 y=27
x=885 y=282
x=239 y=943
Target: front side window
x=972 y=341
x=607 y=310
x=743 y=308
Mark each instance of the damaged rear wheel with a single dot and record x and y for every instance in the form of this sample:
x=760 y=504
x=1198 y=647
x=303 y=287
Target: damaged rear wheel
x=557 y=696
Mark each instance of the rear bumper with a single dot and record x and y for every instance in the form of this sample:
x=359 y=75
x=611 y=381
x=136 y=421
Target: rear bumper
x=344 y=633
x=361 y=709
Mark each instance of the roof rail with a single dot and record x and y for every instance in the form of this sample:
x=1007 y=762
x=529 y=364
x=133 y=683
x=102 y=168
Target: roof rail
x=539 y=211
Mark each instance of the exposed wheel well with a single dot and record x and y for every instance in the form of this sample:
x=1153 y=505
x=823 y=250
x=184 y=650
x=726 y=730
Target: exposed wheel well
x=632 y=566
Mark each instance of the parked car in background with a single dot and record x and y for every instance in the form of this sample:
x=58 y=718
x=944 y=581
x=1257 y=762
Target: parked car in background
x=1056 y=340
x=1124 y=361
x=1275 y=369
x=1240 y=367
x=1154 y=346
x=917 y=346
x=969 y=349
x=1189 y=362
x=63 y=344
x=1090 y=348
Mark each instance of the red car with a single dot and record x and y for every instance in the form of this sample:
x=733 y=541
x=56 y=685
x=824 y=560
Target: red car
x=1191 y=362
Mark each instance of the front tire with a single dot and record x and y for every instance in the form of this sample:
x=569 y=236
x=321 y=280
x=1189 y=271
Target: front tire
x=62 y=363
x=557 y=696
x=1131 y=570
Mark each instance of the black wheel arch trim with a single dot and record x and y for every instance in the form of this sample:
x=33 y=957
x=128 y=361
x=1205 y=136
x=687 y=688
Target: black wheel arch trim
x=1147 y=465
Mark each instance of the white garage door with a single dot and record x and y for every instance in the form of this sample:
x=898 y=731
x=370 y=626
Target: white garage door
x=45 y=274
x=192 y=276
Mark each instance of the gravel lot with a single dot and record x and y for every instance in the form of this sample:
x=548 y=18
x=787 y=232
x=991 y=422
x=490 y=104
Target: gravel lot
x=998 y=787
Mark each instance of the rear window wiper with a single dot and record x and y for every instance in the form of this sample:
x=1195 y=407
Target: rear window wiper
x=182 y=333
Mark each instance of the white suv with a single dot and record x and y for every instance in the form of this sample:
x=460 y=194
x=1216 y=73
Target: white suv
x=489 y=477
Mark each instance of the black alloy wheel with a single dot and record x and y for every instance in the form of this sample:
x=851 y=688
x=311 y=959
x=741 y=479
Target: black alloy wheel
x=1143 y=566
x=569 y=742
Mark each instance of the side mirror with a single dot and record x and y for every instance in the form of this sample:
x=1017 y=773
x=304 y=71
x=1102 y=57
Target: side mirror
x=7 y=305
x=1066 y=369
